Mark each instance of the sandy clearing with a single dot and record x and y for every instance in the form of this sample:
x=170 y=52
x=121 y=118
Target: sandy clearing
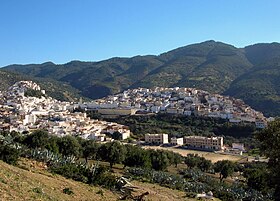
x=214 y=157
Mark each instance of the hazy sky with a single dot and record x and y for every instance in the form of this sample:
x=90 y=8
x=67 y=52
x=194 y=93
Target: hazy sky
x=36 y=31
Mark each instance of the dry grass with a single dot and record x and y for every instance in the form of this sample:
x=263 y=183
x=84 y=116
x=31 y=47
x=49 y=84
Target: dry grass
x=31 y=181
x=158 y=193
x=214 y=157
x=36 y=184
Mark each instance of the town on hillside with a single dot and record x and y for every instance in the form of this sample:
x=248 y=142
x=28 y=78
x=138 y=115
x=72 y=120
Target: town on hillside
x=181 y=101
x=23 y=113
x=24 y=108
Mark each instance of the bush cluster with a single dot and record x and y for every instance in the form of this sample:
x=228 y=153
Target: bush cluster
x=195 y=181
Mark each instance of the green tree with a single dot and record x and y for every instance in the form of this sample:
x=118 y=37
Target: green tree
x=113 y=152
x=174 y=158
x=17 y=137
x=269 y=139
x=90 y=149
x=52 y=144
x=136 y=157
x=102 y=152
x=37 y=139
x=9 y=154
x=225 y=168
x=69 y=145
x=191 y=160
x=117 y=135
x=159 y=160
x=204 y=164
x=72 y=171
x=257 y=176
x=177 y=159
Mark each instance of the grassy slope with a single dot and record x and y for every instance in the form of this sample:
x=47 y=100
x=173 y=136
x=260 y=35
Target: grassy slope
x=32 y=182
x=37 y=184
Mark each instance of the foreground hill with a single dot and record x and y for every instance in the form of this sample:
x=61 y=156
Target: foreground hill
x=213 y=66
x=33 y=182
x=36 y=184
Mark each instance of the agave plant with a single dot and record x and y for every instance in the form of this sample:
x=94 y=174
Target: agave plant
x=8 y=140
x=197 y=182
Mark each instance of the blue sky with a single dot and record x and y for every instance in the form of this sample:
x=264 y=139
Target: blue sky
x=36 y=31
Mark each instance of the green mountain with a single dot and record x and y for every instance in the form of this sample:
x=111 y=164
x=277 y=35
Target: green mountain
x=260 y=87
x=210 y=65
x=213 y=66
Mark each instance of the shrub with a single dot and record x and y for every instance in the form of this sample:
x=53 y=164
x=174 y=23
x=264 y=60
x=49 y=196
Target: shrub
x=38 y=190
x=68 y=191
x=100 y=192
x=33 y=93
x=71 y=171
x=9 y=154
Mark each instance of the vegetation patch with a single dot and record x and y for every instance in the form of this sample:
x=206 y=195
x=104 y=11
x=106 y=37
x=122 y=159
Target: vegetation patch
x=38 y=190
x=100 y=192
x=68 y=191
x=33 y=93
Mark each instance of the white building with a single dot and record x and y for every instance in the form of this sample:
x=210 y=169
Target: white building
x=97 y=137
x=200 y=142
x=239 y=146
x=187 y=112
x=177 y=141
x=156 y=138
x=155 y=109
x=29 y=119
x=125 y=134
x=260 y=124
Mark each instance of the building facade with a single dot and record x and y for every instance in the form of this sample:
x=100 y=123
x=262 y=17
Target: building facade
x=177 y=141
x=156 y=138
x=209 y=143
x=239 y=146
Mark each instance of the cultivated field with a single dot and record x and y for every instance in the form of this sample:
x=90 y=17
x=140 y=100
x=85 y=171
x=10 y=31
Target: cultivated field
x=214 y=157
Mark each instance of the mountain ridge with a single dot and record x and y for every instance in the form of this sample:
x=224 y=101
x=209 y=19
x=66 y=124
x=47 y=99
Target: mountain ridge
x=212 y=66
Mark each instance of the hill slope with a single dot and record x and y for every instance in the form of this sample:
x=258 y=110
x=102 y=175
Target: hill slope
x=209 y=65
x=213 y=66
x=56 y=89
x=260 y=87
x=34 y=183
